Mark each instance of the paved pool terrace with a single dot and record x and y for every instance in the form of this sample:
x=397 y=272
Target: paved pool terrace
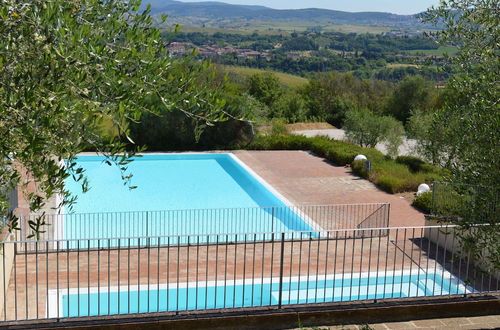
x=301 y=177
x=306 y=179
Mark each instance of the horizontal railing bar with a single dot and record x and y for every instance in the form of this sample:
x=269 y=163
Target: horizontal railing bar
x=291 y=232
x=173 y=245
x=285 y=206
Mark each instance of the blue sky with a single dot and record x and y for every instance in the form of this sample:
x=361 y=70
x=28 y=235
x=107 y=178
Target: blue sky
x=392 y=6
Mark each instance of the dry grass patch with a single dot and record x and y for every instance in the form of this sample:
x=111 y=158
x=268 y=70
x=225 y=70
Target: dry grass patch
x=308 y=126
x=266 y=129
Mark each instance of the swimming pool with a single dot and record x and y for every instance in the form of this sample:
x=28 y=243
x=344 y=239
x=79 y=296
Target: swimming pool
x=218 y=190
x=248 y=293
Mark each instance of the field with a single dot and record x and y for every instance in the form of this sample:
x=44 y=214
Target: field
x=267 y=128
x=301 y=26
x=285 y=28
x=309 y=126
x=288 y=80
x=450 y=50
x=213 y=29
x=400 y=65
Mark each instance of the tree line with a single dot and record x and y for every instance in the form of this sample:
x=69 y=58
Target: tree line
x=366 y=42
x=340 y=99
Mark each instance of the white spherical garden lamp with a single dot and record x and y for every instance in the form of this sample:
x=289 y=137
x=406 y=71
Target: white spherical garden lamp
x=423 y=188
x=360 y=157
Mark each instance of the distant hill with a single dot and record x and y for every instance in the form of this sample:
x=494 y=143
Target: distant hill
x=221 y=11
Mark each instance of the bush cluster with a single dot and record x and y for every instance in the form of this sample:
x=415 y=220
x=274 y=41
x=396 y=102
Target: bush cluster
x=423 y=202
x=416 y=164
x=388 y=174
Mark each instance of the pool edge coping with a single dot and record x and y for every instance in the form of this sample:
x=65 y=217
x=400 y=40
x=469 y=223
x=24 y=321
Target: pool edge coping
x=53 y=295
x=59 y=228
x=294 y=208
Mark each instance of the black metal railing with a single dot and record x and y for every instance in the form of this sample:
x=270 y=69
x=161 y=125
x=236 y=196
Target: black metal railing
x=308 y=218
x=150 y=274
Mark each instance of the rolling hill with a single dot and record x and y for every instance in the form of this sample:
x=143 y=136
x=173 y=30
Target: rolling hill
x=211 y=11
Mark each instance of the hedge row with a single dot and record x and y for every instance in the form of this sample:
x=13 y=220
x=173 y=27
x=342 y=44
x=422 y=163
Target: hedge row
x=394 y=176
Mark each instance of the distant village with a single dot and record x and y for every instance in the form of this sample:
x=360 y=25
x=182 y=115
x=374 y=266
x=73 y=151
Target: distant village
x=185 y=48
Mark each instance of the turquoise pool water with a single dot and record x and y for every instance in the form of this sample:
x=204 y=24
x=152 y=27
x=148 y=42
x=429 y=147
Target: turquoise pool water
x=256 y=294
x=237 y=202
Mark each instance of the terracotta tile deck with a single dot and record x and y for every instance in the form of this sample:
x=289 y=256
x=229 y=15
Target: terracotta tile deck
x=69 y=269
x=304 y=178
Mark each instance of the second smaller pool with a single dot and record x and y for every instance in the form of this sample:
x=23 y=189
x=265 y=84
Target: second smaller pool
x=198 y=296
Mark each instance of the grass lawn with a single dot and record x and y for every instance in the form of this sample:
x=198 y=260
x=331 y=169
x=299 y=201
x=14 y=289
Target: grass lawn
x=450 y=50
x=400 y=65
x=273 y=28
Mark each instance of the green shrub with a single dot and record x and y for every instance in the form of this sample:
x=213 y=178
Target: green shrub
x=393 y=177
x=423 y=202
x=358 y=167
x=414 y=163
x=418 y=165
x=429 y=168
x=391 y=184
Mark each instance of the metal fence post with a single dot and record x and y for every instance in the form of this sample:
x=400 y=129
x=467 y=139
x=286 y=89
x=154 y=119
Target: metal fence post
x=147 y=228
x=433 y=203
x=272 y=220
x=282 y=257
x=388 y=218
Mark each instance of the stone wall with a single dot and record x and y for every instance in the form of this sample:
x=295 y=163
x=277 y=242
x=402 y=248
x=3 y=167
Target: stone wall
x=447 y=239
x=6 y=263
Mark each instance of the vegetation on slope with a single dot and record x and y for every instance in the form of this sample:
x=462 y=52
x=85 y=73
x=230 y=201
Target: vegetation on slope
x=304 y=53
x=285 y=79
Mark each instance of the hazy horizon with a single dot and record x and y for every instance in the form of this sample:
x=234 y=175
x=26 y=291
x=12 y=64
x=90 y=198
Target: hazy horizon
x=403 y=7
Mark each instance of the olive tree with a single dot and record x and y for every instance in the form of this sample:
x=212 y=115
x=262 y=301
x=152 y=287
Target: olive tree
x=432 y=136
x=70 y=68
x=367 y=129
x=473 y=114
x=413 y=93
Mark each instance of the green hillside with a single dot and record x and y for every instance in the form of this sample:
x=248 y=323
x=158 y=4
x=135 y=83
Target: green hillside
x=286 y=79
x=219 y=14
x=449 y=50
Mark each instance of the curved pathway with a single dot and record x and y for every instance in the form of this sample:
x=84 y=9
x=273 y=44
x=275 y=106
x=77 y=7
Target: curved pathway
x=406 y=149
